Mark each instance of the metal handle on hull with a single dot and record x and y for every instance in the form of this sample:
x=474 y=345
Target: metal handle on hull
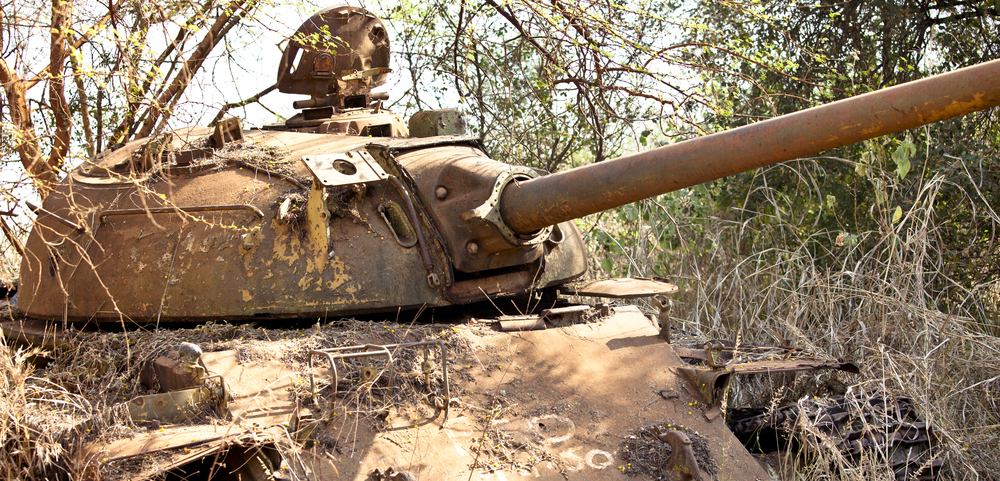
x=167 y=210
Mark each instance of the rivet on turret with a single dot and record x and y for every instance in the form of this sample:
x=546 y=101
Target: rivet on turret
x=441 y=192
x=472 y=248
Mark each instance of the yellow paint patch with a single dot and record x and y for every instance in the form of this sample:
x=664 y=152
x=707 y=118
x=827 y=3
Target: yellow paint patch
x=246 y=295
x=335 y=277
x=957 y=108
x=287 y=247
x=317 y=218
x=339 y=275
x=306 y=282
x=315 y=264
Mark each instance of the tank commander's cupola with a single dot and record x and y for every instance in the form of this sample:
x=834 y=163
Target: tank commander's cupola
x=337 y=57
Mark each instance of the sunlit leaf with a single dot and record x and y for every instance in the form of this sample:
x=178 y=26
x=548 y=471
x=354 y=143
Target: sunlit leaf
x=703 y=191
x=902 y=155
x=607 y=265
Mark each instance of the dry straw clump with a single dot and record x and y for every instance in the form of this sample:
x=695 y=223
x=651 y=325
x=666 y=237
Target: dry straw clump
x=75 y=395
x=36 y=415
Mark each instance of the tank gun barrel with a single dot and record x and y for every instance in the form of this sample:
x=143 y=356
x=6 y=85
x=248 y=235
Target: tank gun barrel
x=534 y=204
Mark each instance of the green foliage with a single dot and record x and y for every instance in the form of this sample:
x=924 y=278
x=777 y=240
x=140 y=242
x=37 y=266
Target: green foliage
x=770 y=58
x=902 y=155
x=551 y=84
x=833 y=50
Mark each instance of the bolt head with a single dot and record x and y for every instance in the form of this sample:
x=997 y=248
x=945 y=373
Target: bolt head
x=441 y=192
x=472 y=248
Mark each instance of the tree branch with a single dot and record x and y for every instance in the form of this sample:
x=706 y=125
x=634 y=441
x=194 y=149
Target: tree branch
x=81 y=93
x=231 y=16
x=242 y=103
x=513 y=21
x=76 y=45
x=25 y=140
x=127 y=126
x=978 y=12
x=57 y=90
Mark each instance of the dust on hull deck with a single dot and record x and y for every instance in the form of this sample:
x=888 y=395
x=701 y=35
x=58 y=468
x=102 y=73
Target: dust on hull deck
x=531 y=405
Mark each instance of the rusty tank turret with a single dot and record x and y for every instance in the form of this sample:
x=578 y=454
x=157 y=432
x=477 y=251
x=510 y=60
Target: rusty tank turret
x=344 y=209
x=341 y=211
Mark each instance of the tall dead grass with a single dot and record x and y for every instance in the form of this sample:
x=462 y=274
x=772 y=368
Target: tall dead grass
x=884 y=298
x=37 y=417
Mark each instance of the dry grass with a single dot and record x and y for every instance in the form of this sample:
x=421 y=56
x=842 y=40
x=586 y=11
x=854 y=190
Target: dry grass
x=36 y=415
x=878 y=301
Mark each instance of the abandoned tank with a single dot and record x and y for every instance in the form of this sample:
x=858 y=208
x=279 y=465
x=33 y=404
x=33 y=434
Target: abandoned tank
x=345 y=210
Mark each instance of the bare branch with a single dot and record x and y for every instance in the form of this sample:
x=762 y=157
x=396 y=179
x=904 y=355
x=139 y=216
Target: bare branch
x=524 y=34
x=81 y=93
x=242 y=103
x=76 y=45
x=231 y=16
